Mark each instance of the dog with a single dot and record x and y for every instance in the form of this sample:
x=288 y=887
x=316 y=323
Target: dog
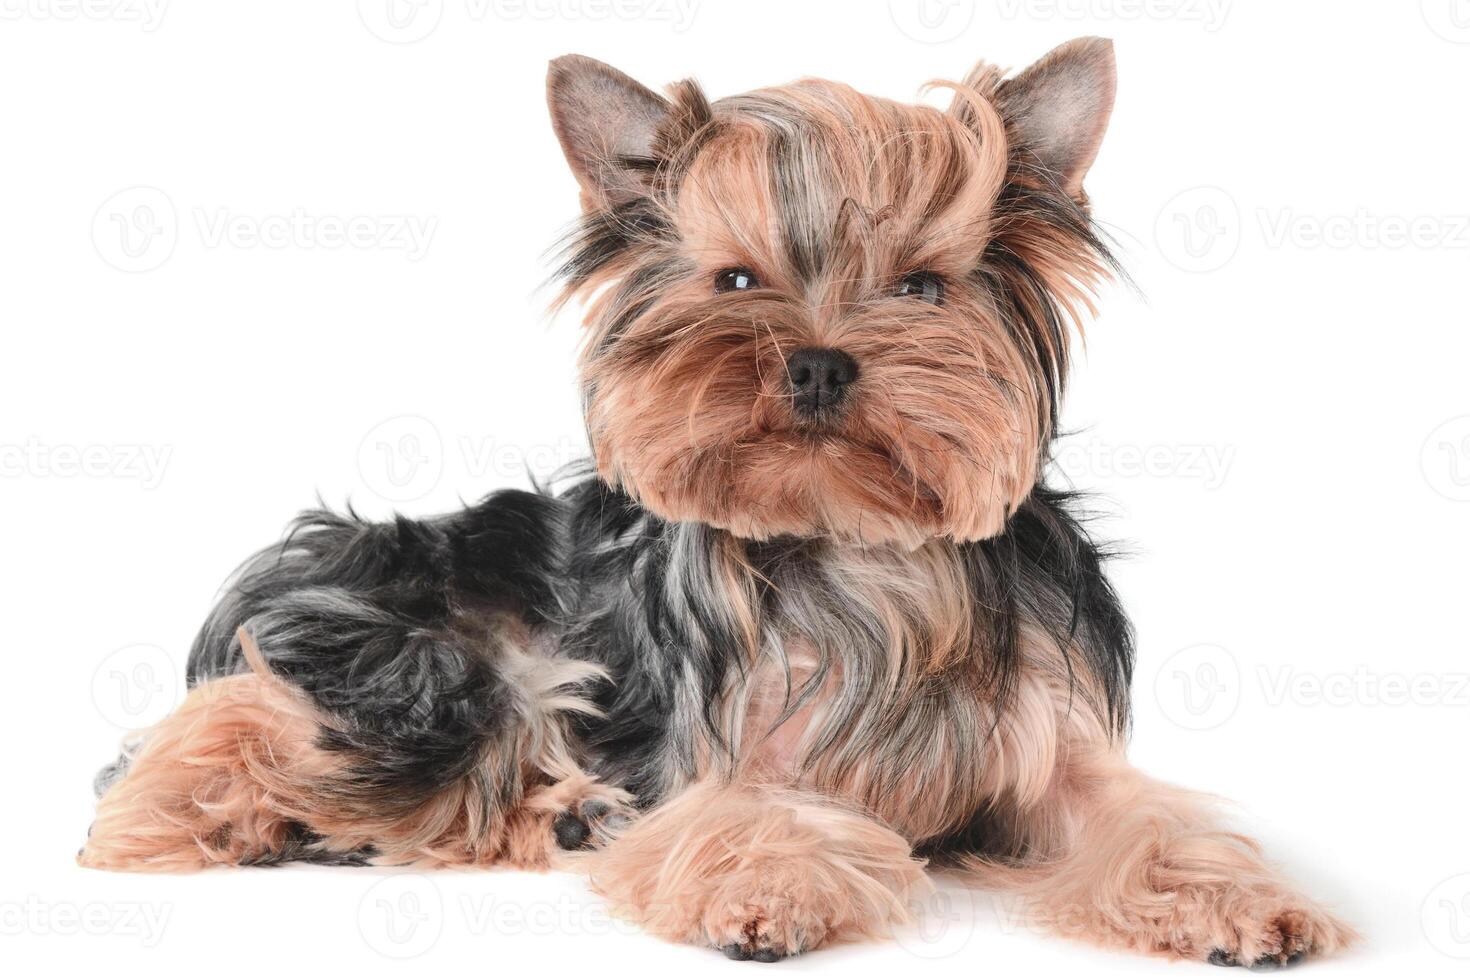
x=808 y=625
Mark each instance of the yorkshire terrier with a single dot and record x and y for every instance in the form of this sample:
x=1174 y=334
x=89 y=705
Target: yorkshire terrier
x=809 y=624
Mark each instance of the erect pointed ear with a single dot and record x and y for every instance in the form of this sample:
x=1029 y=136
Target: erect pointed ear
x=607 y=124
x=1058 y=109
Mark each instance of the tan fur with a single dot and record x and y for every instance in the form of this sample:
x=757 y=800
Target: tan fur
x=1117 y=858
x=964 y=758
x=688 y=410
x=758 y=867
x=1100 y=852
x=218 y=781
x=790 y=811
x=227 y=777
x=789 y=733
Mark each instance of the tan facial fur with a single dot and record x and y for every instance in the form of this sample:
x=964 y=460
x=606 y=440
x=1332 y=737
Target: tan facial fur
x=831 y=198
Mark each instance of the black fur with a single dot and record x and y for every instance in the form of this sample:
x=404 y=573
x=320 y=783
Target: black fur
x=389 y=627
x=1030 y=194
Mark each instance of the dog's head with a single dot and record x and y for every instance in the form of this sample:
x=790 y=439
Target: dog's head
x=815 y=312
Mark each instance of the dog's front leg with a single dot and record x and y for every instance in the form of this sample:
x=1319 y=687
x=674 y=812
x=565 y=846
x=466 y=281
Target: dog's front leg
x=1118 y=858
x=760 y=872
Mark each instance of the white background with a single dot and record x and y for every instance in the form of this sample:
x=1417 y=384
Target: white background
x=1277 y=421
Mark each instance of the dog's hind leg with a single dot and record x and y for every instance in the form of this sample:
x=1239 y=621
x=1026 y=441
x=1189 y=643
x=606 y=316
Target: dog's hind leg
x=228 y=777
x=242 y=773
x=400 y=701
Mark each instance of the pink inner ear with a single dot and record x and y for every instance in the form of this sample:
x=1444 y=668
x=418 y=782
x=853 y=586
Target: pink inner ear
x=1058 y=108
x=601 y=118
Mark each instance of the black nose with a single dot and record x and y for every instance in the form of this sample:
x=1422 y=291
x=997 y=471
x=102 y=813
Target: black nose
x=819 y=378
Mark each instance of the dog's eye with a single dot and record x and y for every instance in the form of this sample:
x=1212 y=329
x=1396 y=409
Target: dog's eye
x=927 y=286
x=730 y=279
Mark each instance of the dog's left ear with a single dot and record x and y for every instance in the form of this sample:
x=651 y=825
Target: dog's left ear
x=607 y=124
x=1058 y=108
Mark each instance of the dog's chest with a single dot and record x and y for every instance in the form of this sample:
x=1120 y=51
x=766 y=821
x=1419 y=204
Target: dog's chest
x=865 y=687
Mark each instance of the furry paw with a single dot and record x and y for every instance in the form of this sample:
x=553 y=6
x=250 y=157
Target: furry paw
x=747 y=951
x=760 y=873
x=587 y=824
x=557 y=820
x=765 y=930
x=1270 y=938
x=1221 y=958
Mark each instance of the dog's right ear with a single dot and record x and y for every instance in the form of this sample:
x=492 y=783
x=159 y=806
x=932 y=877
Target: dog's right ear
x=1058 y=108
x=607 y=124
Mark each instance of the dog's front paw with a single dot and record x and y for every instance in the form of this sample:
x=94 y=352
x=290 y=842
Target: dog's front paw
x=1267 y=935
x=765 y=929
x=759 y=873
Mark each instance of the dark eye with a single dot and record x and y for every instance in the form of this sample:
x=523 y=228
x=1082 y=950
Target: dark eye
x=730 y=279
x=927 y=286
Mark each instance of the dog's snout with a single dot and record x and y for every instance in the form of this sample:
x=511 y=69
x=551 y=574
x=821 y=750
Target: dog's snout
x=820 y=377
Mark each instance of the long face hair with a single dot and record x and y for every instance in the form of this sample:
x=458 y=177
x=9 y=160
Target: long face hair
x=945 y=253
